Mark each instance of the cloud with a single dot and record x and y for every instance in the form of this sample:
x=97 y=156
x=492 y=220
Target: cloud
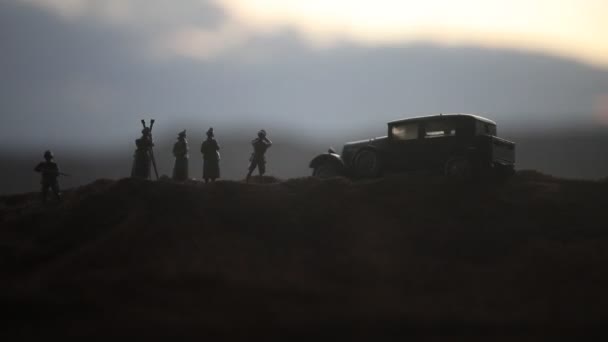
x=149 y=15
x=188 y=28
x=571 y=28
x=197 y=43
x=204 y=29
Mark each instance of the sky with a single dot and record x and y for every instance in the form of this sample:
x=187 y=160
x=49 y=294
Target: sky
x=569 y=28
x=78 y=75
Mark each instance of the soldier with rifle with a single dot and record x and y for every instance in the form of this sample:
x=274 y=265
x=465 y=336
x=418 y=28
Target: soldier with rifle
x=50 y=172
x=180 y=151
x=258 y=158
x=144 y=155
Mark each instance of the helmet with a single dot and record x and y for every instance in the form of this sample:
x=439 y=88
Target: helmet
x=210 y=132
x=48 y=155
x=182 y=133
x=262 y=133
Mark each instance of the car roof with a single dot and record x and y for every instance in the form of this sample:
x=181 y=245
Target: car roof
x=451 y=115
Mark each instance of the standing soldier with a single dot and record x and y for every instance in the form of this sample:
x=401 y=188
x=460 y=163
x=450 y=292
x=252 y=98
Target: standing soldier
x=142 y=159
x=180 y=151
x=258 y=159
x=50 y=171
x=211 y=157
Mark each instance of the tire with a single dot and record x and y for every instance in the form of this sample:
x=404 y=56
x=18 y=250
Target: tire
x=460 y=168
x=367 y=164
x=504 y=173
x=326 y=170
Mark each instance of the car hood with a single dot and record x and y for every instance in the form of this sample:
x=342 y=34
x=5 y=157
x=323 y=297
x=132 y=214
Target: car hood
x=366 y=142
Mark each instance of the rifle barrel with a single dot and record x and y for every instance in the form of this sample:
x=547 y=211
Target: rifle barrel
x=153 y=162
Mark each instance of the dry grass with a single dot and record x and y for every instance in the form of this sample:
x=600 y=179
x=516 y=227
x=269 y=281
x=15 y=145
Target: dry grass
x=306 y=257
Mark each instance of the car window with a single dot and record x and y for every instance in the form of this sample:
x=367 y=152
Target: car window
x=438 y=129
x=406 y=131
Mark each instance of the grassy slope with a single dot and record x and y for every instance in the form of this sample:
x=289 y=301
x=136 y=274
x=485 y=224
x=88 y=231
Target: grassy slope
x=395 y=256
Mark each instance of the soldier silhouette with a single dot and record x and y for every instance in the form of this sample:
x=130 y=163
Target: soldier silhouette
x=142 y=159
x=258 y=158
x=180 y=151
x=50 y=172
x=211 y=157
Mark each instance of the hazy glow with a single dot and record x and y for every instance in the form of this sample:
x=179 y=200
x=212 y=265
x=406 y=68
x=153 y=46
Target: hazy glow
x=575 y=28
x=601 y=109
x=571 y=28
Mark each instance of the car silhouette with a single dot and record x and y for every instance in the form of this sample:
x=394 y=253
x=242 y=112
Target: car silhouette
x=457 y=145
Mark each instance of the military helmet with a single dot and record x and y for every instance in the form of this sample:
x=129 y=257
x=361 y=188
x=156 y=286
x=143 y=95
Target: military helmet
x=48 y=155
x=262 y=133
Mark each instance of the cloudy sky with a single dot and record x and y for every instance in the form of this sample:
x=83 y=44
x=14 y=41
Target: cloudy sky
x=77 y=76
x=80 y=74
x=569 y=28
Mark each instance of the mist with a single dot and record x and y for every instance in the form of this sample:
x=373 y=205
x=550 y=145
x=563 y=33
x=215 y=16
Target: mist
x=80 y=88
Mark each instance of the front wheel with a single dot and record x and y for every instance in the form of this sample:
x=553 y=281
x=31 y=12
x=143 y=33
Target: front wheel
x=503 y=173
x=367 y=164
x=326 y=170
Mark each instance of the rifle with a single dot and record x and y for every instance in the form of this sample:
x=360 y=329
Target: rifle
x=143 y=122
x=42 y=170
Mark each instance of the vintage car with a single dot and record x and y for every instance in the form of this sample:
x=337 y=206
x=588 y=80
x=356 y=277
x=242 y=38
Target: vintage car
x=457 y=145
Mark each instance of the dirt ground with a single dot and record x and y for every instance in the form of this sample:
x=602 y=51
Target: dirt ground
x=304 y=258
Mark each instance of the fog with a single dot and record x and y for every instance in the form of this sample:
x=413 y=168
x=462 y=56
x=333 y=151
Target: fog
x=80 y=88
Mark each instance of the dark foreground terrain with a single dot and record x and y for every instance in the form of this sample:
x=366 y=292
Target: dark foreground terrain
x=306 y=258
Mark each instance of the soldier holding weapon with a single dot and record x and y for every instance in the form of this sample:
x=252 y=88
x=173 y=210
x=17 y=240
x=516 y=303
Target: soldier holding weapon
x=144 y=155
x=258 y=158
x=50 y=172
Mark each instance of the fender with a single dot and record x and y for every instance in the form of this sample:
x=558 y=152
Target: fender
x=328 y=157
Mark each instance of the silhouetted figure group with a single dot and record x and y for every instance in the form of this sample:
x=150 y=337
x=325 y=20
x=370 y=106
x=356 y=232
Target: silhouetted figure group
x=143 y=159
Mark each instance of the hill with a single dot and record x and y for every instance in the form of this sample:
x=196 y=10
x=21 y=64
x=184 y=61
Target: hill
x=401 y=256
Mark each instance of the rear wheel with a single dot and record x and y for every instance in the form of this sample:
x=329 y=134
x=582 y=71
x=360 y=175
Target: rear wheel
x=460 y=168
x=503 y=173
x=367 y=164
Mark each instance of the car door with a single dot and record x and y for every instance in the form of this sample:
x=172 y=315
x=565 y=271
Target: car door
x=440 y=138
x=405 y=146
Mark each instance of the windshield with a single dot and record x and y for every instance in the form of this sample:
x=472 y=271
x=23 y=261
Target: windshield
x=405 y=131
x=484 y=128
